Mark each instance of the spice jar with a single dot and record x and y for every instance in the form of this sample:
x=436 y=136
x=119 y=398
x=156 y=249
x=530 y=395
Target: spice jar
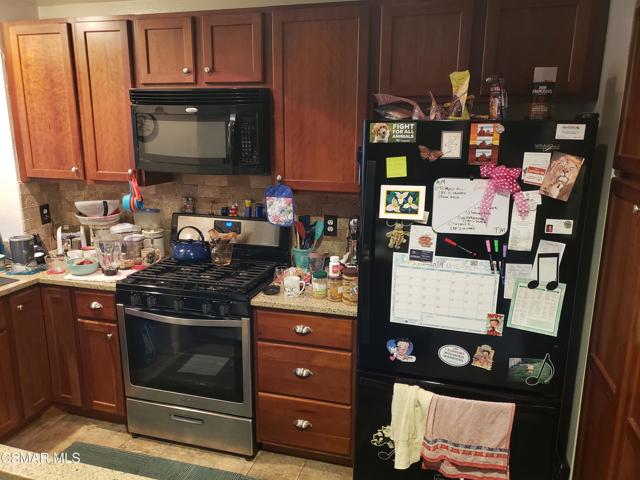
x=319 y=284
x=350 y=286
x=188 y=205
x=334 y=288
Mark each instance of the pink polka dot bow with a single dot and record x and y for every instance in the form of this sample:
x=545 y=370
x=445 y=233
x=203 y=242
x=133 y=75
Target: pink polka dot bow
x=503 y=180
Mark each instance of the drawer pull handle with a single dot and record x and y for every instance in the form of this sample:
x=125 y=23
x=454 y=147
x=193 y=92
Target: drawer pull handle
x=302 y=424
x=180 y=418
x=95 y=306
x=302 y=372
x=20 y=307
x=303 y=329
x=109 y=336
x=635 y=210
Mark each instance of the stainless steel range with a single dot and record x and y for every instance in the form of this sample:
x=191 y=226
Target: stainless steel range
x=186 y=338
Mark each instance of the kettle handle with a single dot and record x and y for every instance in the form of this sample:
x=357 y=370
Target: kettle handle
x=194 y=228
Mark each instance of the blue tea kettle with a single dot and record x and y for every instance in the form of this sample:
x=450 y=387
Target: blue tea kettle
x=190 y=250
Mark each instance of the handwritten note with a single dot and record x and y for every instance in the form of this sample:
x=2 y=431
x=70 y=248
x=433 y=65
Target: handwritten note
x=456 y=208
x=514 y=271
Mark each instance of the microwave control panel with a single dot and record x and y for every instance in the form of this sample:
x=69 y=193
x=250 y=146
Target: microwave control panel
x=248 y=147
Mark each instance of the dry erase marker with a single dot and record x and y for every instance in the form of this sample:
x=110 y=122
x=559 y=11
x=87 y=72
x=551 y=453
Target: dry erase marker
x=495 y=246
x=451 y=242
x=488 y=245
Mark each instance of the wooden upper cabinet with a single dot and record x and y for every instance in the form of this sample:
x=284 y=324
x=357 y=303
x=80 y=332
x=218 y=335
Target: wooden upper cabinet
x=232 y=48
x=45 y=110
x=523 y=34
x=60 y=326
x=628 y=152
x=614 y=345
x=31 y=350
x=103 y=63
x=320 y=95
x=164 y=50
x=421 y=42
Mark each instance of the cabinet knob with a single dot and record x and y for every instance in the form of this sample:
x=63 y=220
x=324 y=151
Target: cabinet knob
x=74 y=169
x=207 y=69
x=302 y=329
x=302 y=372
x=20 y=307
x=635 y=210
x=186 y=70
x=95 y=306
x=301 y=424
x=130 y=171
x=109 y=336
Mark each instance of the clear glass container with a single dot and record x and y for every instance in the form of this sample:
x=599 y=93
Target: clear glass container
x=109 y=255
x=134 y=244
x=188 y=205
x=319 y=284
x=334 y=289
x=56 y=264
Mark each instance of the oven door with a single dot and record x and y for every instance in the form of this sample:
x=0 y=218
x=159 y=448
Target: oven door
x=194 y=362
x=184 y=138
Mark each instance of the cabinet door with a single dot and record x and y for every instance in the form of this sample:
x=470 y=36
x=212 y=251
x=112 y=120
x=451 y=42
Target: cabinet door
x=31 y=350
x=523 y=34
x=616 y=311
x=320 y=93
x=103 y=62
x=9 y=408
x=43 y=94
x=420 y=42
x=232 y=48
x=102 y=371
x=628 y=151
x=629 y=463
x=62 y=345
x=164 y=50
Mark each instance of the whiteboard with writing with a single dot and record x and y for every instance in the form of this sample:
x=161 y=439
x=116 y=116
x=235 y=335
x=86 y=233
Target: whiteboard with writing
x=456 y=208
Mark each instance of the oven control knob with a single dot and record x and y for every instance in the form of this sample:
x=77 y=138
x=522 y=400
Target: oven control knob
x=151 y=301
x=178 y=304
x=224 y=309
x=136 y=299
x=207 y=308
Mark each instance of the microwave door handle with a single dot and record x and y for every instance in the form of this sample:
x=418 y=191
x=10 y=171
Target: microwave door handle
x=231 y=136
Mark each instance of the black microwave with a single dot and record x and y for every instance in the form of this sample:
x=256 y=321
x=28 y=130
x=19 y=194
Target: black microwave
x=222 y=131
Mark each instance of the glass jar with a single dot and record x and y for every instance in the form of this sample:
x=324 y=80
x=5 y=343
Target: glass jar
x=134 y=244
x=334 y=288
x=188 y=205
x=350 y=286
x=155 y=239
x=319 y=284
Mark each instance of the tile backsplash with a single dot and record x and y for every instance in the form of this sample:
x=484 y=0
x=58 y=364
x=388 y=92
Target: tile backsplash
x=210 y=192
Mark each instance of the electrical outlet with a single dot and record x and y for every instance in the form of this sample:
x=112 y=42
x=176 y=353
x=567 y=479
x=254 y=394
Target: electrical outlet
x=45 y=214
x=330 y=225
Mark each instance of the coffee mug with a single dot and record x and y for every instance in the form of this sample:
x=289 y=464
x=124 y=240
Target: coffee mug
x=293 y=286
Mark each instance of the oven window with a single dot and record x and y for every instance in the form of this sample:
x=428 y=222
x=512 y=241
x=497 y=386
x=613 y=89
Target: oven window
x=186 y=136
x=202 y=361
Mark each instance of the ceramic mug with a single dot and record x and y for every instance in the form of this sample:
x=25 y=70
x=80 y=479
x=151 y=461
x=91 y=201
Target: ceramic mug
x=293 y=286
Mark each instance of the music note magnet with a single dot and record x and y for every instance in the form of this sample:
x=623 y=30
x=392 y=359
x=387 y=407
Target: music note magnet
x=549 y=265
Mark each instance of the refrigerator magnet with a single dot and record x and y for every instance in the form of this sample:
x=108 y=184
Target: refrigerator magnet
x=401 y=350
x=396 y=236
x=483 y=357
x=495 y=324
x=451 y=144
x=484 y=142
x=392 y=132
x=532 y=371
x=561 y=175
x=556 y=226
x=428 y=154
x=422 y=243
x=454 y=356
x=402 y=202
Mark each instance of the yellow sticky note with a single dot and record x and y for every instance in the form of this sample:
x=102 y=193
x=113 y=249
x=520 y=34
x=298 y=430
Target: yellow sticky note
x=396 y=167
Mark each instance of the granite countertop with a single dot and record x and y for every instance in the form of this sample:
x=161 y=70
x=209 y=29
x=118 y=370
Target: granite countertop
x=304 y=303
x=10 y=468
x=25 y=281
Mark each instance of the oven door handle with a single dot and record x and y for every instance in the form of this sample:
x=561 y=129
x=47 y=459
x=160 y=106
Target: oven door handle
x=190 y=322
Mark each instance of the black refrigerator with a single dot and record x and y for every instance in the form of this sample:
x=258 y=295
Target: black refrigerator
x=440 y=354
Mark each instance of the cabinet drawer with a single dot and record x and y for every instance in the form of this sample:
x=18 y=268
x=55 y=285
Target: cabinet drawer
x=329 y=372
x=320 y=331
x=328 y=428
x=95 y=305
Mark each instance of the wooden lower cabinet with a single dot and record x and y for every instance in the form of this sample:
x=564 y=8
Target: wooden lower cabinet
x=304 y=377
x=10 y=415
x=30 y=341
x=102 y=370
x=62 y=344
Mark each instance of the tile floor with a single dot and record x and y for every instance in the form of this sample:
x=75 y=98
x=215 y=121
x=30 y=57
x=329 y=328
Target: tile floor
x=55 y=430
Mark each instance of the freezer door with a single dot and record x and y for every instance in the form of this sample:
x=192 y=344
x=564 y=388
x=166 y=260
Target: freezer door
x=533 y=438
x=374 y=325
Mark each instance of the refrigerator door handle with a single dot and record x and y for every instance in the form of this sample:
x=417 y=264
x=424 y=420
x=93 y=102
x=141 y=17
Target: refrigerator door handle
x=367 y=235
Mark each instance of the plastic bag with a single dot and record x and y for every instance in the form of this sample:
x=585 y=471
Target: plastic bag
x=280 y=207
x=397 y=108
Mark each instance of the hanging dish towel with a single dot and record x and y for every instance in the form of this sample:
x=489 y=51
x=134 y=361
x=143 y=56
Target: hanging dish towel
x=280 y=206
x=409 y=409
x=468 y=438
